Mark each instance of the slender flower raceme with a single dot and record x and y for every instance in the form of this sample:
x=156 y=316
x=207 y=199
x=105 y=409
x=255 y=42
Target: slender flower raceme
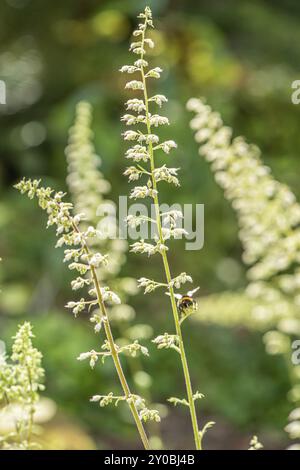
x=146 y=144
x=20 y=384
x=83 y=260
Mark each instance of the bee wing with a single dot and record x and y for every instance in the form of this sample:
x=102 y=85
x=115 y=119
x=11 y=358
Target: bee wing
x=192 y=292
x=177 y=296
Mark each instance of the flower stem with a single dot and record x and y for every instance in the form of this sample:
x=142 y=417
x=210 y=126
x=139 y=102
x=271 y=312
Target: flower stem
x=167 y=268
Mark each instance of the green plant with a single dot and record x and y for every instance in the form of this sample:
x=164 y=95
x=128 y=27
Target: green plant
x=147 y=146
x=85 y=261
x=21 y=380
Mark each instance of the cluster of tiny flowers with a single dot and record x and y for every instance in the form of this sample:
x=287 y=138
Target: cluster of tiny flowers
x=268 y=217
x=144 y=136
x=129 y=349
x=167 y=341
x=255 y=444
x=144 y=413
x=148 y=143
x=21 y=380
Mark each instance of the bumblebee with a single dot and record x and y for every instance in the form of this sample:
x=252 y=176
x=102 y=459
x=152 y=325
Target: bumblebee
x=185 y=303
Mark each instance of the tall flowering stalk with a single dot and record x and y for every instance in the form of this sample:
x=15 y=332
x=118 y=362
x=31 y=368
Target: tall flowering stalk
x=20 y=384
x=85 y=261
x=147 y=145
x=269 y=216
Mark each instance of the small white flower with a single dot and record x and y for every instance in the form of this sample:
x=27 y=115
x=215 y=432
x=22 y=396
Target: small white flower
x=148 y=138
x=138 y=153
x=134 y=85
x=170 y=218
x=166 y=341
x=143 y=247
x=168 y=145
x=173 y=232
x=80 y=267
x=135 y=105
x=109 y=296
x=135 y=221
x=148 y=284
x=84 y=356
x=140 y=192
x=79 y=283
x=158 y=99
x=133 y=173
x=130 y=135
x=166 y=174
x=96 y=398
x=181 y=279
x=131 y=120
x=154 y=73
x=128 y=69
x=97 y=259
x=76 y=307
x=157 y=120
x=141 y=62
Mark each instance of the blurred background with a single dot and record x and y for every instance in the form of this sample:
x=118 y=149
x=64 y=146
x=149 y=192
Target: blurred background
x=242 y=56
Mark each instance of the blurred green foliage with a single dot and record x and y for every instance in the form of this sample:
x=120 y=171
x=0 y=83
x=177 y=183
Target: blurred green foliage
x=241 y=55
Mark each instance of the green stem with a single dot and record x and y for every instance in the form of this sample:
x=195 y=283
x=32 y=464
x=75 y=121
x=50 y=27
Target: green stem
x=168 y=272
x=114 y=353
x=135 y=365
